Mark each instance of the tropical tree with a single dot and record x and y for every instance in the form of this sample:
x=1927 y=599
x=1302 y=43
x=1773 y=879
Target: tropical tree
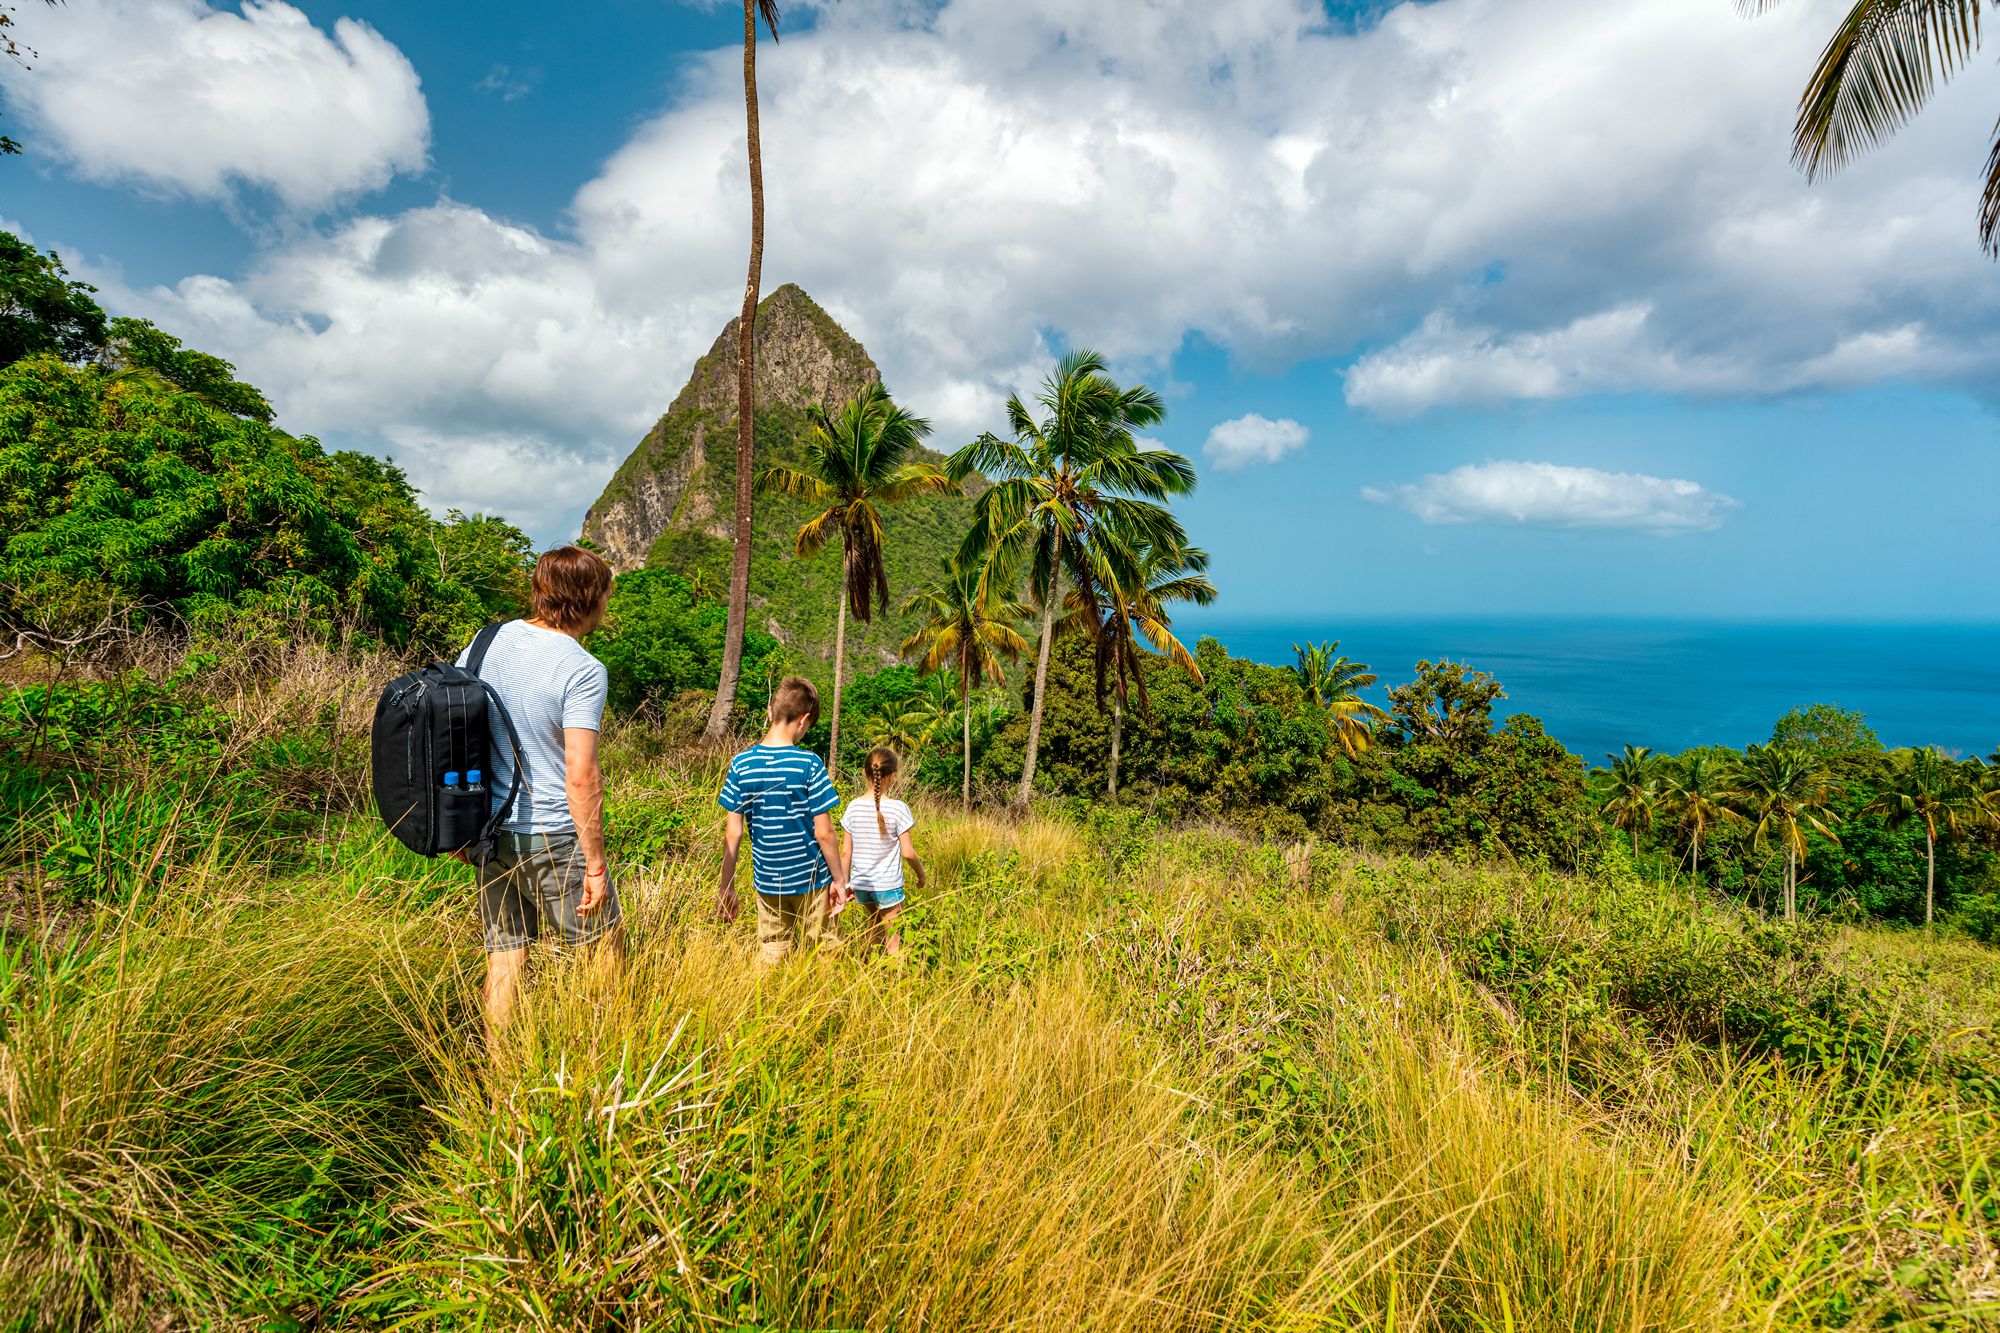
x=1884 y=62
x=1786 y=793
x=855 y=463
x=968 y=626
x=1943 y=795
x=1073 y=495
x=1135 y=611
x=1694 y=793
x=746 y=372
x=1335 y=684
x=1635 y=790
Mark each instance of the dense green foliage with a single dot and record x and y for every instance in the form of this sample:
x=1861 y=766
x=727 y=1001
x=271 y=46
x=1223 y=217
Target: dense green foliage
x=1244 y=744
x=43 y=310
x=147 y=486
x=659 y=640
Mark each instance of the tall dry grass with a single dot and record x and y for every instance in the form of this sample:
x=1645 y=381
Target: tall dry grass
x=1128 y=1078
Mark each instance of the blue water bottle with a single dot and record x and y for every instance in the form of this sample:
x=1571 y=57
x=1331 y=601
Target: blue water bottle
x=472 y=782
x=451 y=780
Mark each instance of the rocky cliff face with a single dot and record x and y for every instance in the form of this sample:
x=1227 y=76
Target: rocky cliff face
x=666 y=484
x=671 y=503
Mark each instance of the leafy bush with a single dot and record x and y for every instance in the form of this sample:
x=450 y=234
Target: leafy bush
x=659 y=639
x=151 y=488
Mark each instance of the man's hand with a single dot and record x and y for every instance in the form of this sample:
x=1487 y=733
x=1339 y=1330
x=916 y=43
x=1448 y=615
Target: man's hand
x=460 y=857
x=725 y=902
x=596 y=890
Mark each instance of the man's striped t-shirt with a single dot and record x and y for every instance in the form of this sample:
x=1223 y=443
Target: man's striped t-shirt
x=779 y=789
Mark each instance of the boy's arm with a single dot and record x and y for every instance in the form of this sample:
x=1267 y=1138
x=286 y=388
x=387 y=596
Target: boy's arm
x=910 y=857
x=830 y=849
x=732 y=842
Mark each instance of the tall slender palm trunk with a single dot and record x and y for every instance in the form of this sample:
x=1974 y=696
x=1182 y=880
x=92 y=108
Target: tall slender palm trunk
x=746 y=406
x=1117 y=735
x=1041 y=689
x=965 y=739
x=1791 y=882
x=1696 y=869
x=839 y=661
x=1930 y=874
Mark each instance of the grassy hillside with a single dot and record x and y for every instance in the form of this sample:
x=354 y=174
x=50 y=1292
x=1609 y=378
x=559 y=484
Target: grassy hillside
x=1129 y=1077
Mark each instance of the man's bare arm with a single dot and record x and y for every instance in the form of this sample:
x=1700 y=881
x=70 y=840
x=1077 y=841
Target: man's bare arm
x=584 y=786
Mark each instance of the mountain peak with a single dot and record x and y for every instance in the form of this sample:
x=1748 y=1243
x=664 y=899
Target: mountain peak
x=803 y=357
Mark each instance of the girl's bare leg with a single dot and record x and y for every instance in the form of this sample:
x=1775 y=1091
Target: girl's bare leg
x=891 y=936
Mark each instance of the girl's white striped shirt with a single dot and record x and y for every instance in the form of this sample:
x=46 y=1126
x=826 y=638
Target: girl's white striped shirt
x=878 y=860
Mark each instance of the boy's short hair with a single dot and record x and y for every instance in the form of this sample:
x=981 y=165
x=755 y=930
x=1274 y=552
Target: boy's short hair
x=794 y=698
x=570 y=587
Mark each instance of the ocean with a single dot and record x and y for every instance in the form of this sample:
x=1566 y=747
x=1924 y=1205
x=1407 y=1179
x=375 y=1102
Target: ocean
x=1598 y=684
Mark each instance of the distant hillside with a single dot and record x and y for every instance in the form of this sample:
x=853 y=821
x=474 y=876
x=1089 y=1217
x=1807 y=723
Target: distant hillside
x=669 y=506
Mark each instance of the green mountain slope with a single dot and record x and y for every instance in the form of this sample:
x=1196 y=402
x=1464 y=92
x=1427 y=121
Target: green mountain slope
x=670 y=503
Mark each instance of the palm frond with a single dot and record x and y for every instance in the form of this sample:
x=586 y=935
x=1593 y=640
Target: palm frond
x=1884 y=63
x=779 y=480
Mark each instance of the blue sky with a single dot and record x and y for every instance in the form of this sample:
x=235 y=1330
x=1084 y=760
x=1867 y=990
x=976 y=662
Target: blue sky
x=1464 y=308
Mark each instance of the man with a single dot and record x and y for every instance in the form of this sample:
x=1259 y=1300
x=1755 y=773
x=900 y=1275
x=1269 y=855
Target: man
x=548 y=866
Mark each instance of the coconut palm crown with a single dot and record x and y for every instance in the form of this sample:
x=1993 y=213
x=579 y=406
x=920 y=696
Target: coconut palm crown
x=968 y=625
x=856 y=462
x=1335 y=684
x=1073 y=501
x=1941 y=794
x=1786 y=793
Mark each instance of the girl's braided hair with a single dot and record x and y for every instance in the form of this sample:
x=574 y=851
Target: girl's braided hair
x=881 y=767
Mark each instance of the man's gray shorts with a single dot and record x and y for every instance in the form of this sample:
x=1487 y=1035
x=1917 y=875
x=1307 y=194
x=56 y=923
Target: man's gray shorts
x=533 y=878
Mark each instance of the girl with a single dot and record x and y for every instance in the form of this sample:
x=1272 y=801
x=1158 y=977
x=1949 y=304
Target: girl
x=874 y=844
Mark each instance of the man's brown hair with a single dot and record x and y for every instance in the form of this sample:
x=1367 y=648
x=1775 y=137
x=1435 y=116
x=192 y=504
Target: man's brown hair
x=794 y=698
x=571 y=586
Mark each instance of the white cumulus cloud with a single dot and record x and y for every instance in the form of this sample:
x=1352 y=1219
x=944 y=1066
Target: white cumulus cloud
x=1476 y=201
x=183 y=97
x=1551 y=495
x=1253 y=438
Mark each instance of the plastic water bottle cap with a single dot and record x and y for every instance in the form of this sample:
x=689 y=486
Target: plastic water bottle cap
x=451 y=778
x=472 y=778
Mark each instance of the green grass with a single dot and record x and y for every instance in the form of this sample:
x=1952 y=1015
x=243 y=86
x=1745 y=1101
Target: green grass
x=1127 y=1077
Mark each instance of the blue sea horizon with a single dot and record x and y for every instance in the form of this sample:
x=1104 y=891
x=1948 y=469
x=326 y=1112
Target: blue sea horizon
x=1600 y=682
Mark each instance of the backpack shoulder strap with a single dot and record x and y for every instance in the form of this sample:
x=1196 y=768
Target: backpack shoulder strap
x=480 y=643
x=483 y=848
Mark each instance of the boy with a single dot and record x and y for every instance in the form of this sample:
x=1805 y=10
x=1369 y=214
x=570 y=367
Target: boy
x=787 y=798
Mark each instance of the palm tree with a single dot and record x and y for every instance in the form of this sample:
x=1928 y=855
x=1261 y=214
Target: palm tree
x=854 y=462
x=1635 y=790
x=968 y=625
x=1695 y=793
x=746 y=372
x=1335 y=684
x=1135 y=609
x=1941 y=794
x=1061 y=485
x=1885 y=61
x=1786 y=791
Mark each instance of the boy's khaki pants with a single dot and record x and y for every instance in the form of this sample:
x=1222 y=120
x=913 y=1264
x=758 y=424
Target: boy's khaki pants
x=782 y=921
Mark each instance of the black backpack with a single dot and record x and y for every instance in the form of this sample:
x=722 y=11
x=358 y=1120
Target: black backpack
x=433 y=732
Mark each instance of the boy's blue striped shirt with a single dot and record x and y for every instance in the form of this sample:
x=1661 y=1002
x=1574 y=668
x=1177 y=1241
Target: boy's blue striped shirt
x=778 y=789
